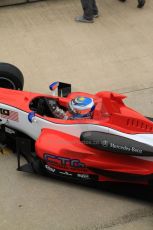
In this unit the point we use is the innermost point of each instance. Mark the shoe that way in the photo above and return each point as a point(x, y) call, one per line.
point(82, 19)
point(141, 3)
point(96, 16)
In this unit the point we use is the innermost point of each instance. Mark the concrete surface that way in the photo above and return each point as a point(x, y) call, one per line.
point(14, 2)
point(114, 53)
point(11, 2)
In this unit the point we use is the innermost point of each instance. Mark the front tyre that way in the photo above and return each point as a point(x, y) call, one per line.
point(11, 77)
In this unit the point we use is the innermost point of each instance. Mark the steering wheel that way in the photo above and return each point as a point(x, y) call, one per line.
point(41, 107)
point(51, 105)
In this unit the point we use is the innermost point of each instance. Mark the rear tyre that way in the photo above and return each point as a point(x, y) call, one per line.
point(11, 77)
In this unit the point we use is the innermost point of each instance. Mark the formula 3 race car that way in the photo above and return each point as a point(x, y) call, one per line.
point(114, 144)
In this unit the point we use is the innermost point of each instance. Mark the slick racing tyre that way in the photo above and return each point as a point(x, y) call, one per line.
point(11, 77)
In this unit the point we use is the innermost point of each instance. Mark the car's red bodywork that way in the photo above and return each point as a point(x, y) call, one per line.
point(65, 153)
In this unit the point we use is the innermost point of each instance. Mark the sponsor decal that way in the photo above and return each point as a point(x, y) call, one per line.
point(105, 143)
point(66, 173)
point(50, 169)
point(80, 176)
point(9, 115)
point(111, 145)
point(10, 131)
point(83, 176)
point(64, 163)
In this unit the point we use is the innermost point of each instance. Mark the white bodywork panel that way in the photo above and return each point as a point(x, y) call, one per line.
point(34, 129)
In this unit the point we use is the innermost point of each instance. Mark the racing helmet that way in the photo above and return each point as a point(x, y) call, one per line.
point(81, 107)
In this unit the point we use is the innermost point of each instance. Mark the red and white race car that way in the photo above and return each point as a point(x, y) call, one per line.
point(112, 143)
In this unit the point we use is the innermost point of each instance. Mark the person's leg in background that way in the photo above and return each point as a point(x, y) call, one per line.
point(95, 9)
point(141, 3)
point(90, 11)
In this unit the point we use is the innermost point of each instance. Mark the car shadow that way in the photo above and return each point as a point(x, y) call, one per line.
point(132, 191)
point(137, 192)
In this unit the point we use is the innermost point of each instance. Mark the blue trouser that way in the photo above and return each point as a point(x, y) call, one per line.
point(89, 8)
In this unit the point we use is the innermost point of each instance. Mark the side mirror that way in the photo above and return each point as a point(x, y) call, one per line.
point(60, 89)
point(31, 117)
point(54, 88)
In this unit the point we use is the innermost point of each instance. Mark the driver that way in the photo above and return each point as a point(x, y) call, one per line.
point(78, 108)
point(81, 108)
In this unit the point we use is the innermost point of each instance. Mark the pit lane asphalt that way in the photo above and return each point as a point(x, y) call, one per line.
point(115, 53)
